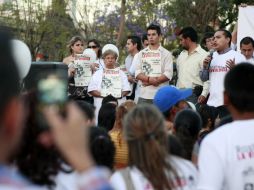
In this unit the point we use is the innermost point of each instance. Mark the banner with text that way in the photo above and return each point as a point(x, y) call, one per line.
point(245, 24)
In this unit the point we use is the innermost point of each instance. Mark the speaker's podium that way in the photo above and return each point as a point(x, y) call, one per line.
point(39, 70)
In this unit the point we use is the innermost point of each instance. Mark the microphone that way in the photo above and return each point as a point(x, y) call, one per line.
point(204, 73)
point(211, 51)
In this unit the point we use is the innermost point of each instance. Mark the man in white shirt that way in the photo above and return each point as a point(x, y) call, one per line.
point(133, 46)
point(226, 159)
point(189, 64)
point(217, 65)
point(247, 49)
point(154, 66)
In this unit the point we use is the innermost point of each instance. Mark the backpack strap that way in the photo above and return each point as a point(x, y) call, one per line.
point(127, 178)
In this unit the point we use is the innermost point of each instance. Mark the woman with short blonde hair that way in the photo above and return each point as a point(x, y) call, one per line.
point(75, 46)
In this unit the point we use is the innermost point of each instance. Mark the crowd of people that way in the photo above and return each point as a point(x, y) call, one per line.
point(125, 127)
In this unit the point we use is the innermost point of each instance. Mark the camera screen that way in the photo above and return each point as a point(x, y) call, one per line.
point(52, 90)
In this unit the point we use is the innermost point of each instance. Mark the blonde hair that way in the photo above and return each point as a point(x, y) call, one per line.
point(72, 41)
point(145, 133)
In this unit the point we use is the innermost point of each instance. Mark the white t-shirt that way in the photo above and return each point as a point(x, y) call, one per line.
point(128, 62)
point(132, 72)
point(95, 84)
point(101, 63)
point(217, 73)
point(66, 181)
point(133, 65)
point(94, 178)
point(185, 170)
point(226, 158)
point(251, 60)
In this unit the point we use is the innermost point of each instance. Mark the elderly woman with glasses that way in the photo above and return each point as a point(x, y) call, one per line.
point(109, 80)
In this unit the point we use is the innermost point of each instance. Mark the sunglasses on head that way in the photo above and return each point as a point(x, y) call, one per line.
point(93, 47)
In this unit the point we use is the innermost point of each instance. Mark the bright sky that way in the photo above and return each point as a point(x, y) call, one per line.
point(77, 6)
point(93, 6)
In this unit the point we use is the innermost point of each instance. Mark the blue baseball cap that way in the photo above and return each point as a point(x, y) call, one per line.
point(168, 96)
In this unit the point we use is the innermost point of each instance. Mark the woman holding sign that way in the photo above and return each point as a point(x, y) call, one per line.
point(80, 69)
point(110, 80)
point(75, 46)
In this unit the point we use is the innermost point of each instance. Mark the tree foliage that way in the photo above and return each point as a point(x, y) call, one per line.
point(194, 13)
point(227, 11)
point(206, 14)
point(43, 29)
point(47, 29)
point(22, 19)
point(59, 28)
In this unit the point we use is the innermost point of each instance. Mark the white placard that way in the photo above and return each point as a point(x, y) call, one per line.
point(111, 83)
point(151, 63)
point(245, 24)
point(83, 72)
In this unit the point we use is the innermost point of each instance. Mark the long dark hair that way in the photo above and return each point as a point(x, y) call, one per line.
point(98, 45)
point(107, 116)
point(102, 147)
point(208, 115)
point(187, 125)
point(145, 132)
point(38, 163)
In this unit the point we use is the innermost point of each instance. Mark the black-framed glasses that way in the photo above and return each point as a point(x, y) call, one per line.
point(93, 47)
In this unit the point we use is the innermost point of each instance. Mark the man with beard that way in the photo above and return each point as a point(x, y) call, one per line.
point(189, 64)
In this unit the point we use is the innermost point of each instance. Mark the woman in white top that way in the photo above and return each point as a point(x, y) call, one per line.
point(150, 166)
point(76, 47)
point(118, 84)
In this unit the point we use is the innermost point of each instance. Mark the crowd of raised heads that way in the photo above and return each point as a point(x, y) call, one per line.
point(125, 126)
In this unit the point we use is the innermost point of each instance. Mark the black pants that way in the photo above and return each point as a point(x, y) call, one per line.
point(145, 101)
point(132, 96)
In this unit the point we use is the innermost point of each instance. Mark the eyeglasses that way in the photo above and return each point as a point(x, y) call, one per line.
point(93, 47)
